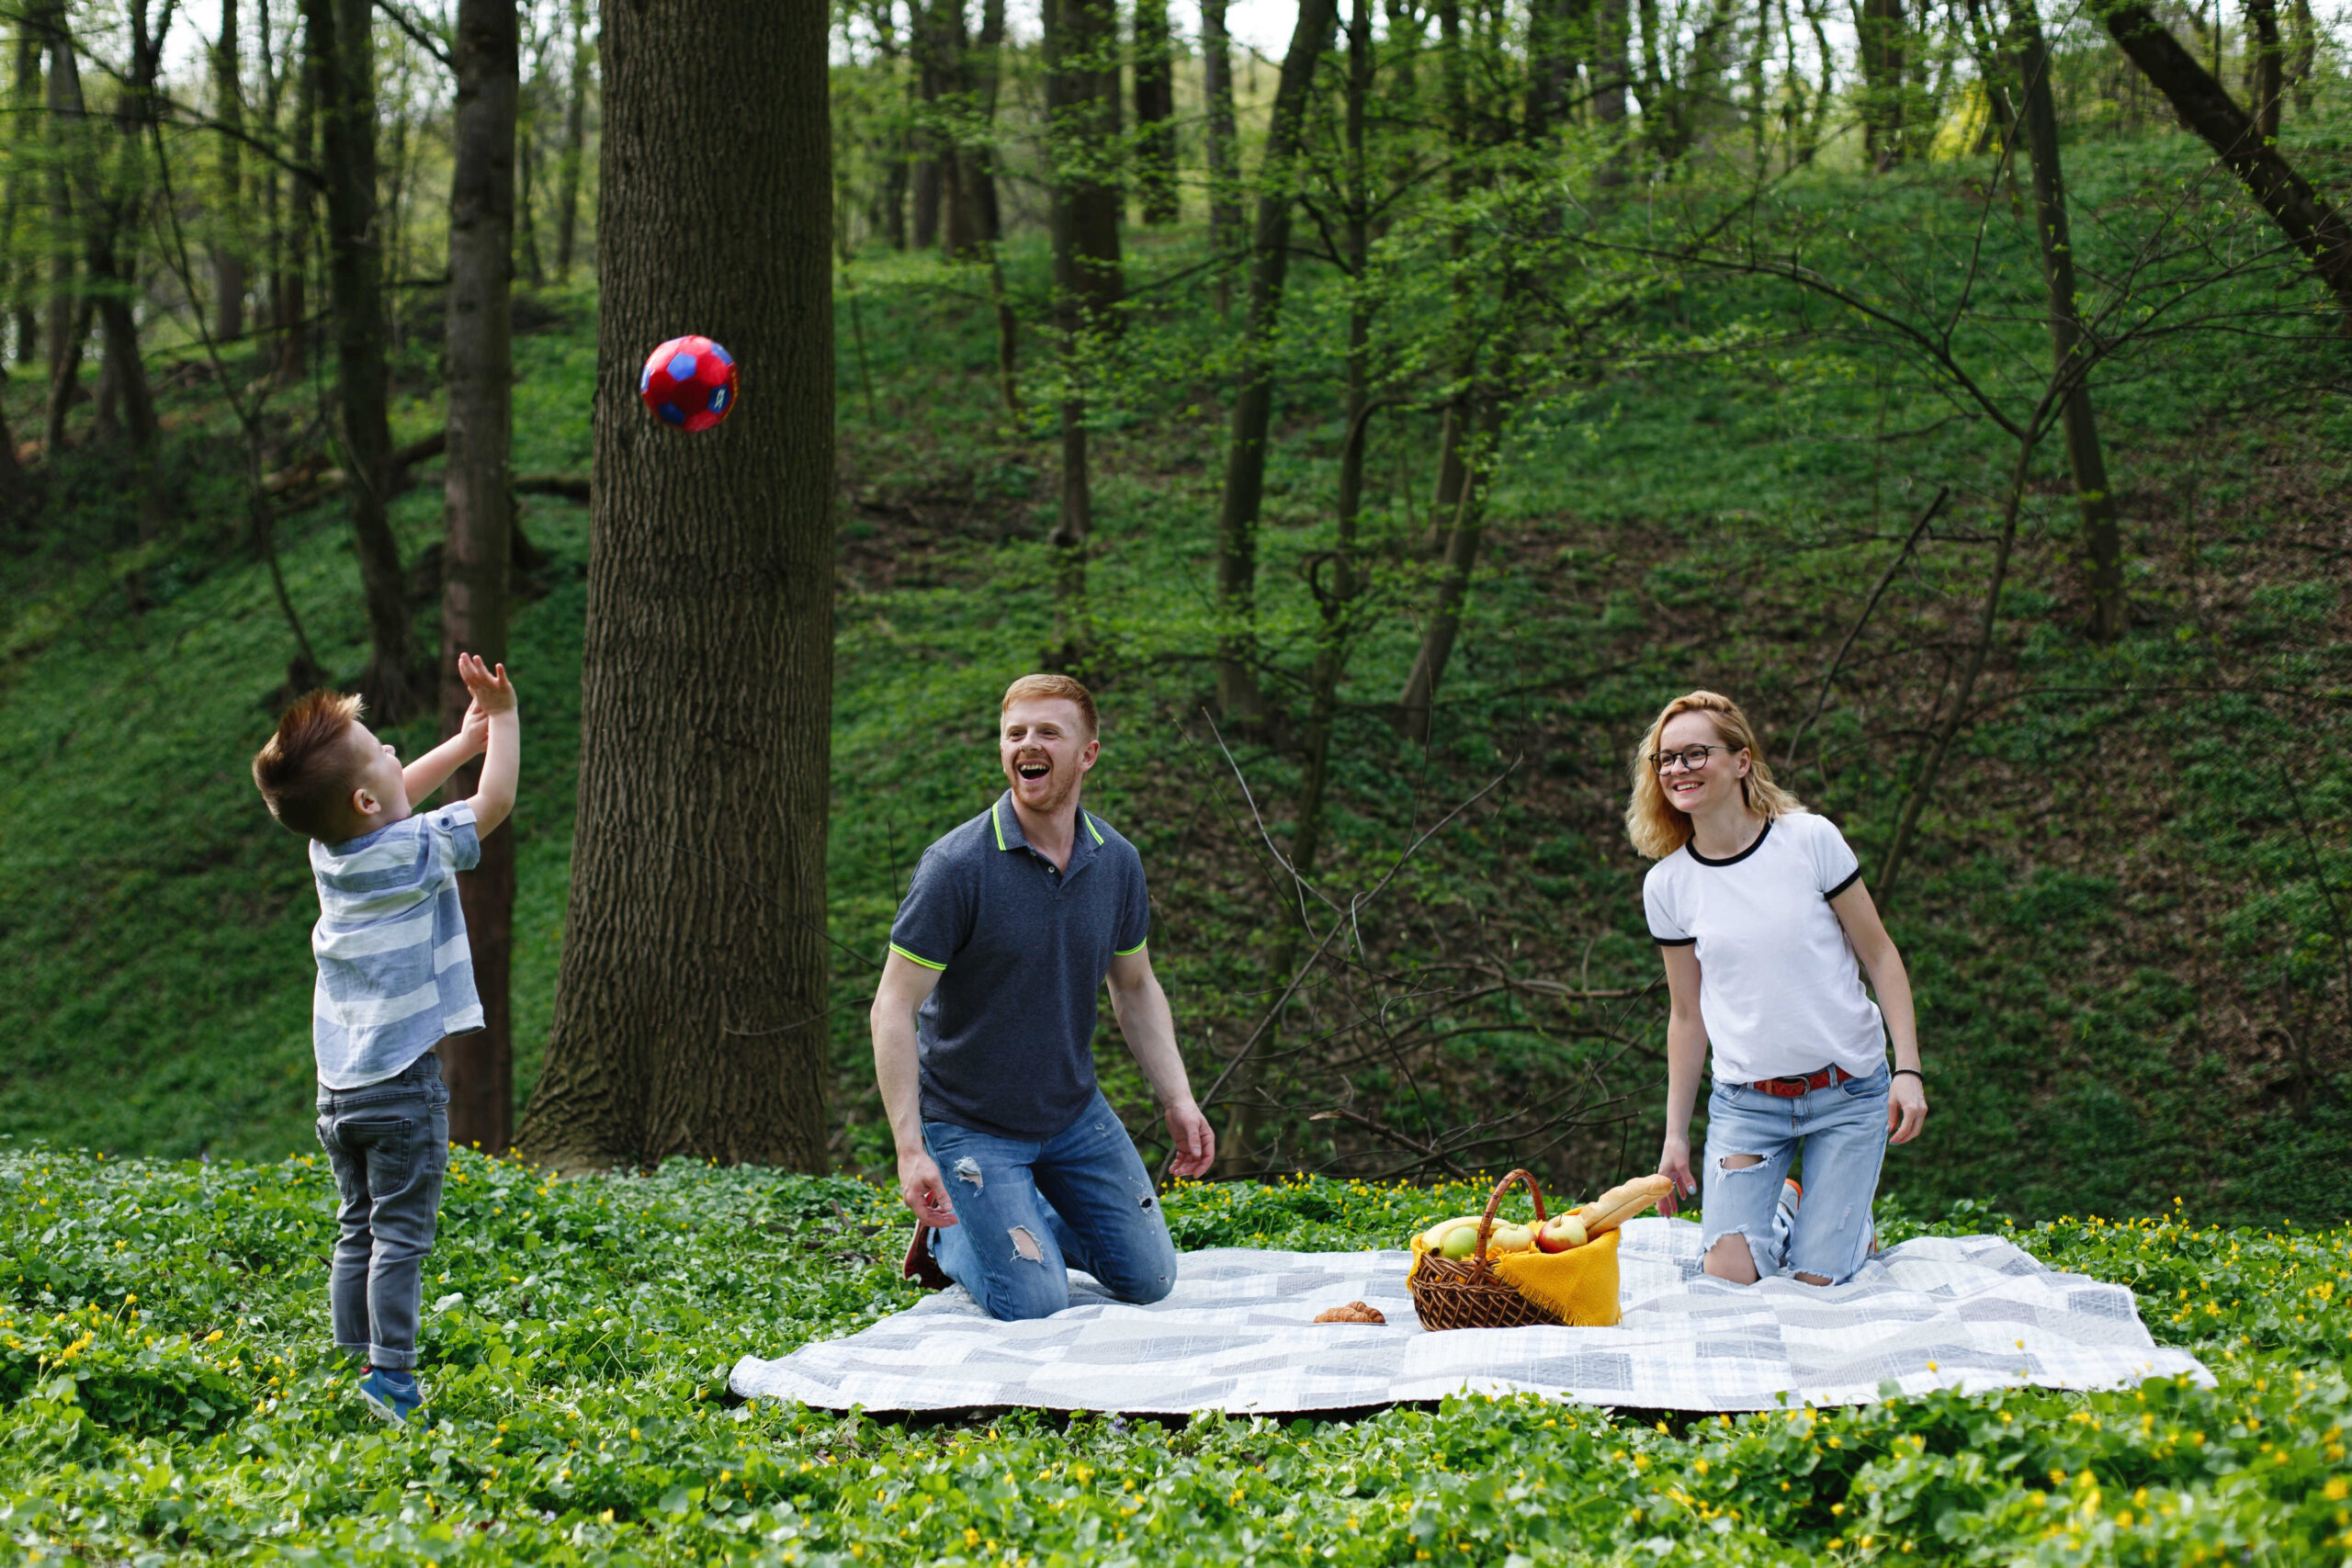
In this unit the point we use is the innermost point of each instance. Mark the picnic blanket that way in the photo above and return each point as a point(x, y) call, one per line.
point(1971, 1313)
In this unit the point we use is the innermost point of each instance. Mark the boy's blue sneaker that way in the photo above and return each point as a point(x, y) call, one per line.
point(393, 1396)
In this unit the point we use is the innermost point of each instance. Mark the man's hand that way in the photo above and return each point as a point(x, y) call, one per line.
point(1195, 1140)
point(1673, 1164)
point(1907, 1110)
point(925, 1190)
point(493, 693)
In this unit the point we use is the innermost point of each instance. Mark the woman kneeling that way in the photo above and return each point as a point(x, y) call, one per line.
point(1758, 909)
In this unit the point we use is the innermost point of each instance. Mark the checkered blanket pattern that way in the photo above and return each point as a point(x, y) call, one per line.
point(1970, 1313)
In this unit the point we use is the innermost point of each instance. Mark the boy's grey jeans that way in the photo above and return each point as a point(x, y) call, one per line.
point(389, 1145)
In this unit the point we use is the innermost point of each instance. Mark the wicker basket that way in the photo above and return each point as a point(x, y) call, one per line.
point(1467, 1292)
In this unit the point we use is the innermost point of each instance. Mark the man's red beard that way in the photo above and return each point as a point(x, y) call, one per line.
point(1061, 787)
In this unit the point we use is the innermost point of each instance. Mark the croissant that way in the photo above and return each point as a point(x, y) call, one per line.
point(1354, 1312)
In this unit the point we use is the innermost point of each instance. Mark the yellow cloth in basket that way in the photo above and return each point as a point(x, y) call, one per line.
point(1579, 1284)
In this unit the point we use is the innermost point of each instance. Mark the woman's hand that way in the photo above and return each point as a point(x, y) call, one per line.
point(1906, 1109)
point(1673, 1164)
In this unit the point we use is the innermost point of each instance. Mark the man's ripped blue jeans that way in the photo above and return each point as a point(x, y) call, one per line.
point(1024, 1210)
point(1842, 1132)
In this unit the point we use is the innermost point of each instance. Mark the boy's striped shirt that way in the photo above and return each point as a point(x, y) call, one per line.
point(395, 972)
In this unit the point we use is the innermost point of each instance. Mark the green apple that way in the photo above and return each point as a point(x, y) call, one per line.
point(1460, 1242)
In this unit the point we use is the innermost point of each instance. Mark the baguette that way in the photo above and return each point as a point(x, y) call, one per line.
point(1622, 1202)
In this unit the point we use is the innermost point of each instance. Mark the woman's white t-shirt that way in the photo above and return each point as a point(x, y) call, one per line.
point(1780, 987)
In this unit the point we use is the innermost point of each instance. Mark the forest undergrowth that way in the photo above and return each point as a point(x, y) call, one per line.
point(166, 1397)
point(2125, 911)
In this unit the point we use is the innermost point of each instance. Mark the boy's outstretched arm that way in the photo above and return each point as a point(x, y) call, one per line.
point(431, 770)
point(502, 757)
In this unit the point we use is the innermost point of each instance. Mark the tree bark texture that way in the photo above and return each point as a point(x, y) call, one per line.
point(1155, 86)
point(1222, 139)
point(575, 143)
point(228, 251)
point(2317, 229)
point(479, 520)
point(67, 325)
point(2266, 65)
point(343, 63)
point(2102, 540)
point(691, 1003)
point(1253, 403)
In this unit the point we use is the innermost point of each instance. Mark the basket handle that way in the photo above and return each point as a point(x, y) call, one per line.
point(1487, 1223)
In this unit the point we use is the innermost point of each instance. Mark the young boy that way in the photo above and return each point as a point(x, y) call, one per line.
point(395, 975)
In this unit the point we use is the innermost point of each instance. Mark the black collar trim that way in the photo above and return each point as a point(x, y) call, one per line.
point(1693, 848)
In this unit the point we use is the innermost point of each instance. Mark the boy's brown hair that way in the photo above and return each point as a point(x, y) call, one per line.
point(304, 771)
point(1049, 688)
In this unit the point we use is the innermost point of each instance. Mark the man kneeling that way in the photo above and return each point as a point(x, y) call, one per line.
point(983, 1031)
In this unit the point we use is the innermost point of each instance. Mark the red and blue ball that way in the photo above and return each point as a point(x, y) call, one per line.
point(689, 382)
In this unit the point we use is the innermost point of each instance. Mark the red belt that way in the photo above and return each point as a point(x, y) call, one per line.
point(1797, 1087)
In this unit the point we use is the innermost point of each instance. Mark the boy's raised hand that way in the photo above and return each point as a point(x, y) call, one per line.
point(493, 693)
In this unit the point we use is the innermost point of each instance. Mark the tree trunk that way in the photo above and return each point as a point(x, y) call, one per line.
point(24, 275)
point(342, 62)
point(228, 252)
point(2265, 65)
point(1253, 403)
point(1222, 137)
point(526, 184)
point(691, 1011)
point(575, 142)
point(2302, 49)
point(1082, 103)
point(1611, 71)
point(1154, 85)
point(478, 514)
point(1450, 427)
point(1882, 42)
point(68, 324)
point(1418, 702)
point(2101, 538)
point(2318, 229)
point(292, 295)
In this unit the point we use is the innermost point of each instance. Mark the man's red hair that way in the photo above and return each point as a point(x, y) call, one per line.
point(1052, 688)
point(304, 771)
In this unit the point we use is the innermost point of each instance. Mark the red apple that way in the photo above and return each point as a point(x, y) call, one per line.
point(1560, 1232)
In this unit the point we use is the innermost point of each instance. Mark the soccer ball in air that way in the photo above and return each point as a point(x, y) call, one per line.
point(689, 382)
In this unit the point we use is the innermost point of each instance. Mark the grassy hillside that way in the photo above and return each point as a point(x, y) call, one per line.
point(164, 1398)
point(2126, 915)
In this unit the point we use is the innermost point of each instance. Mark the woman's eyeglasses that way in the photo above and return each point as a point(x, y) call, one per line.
point(1692, 758)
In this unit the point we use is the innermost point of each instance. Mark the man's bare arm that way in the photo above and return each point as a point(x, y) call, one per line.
point(904, 987)
point(1141, 1008)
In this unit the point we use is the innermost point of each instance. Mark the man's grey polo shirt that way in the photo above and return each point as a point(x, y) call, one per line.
point(1006, 1040)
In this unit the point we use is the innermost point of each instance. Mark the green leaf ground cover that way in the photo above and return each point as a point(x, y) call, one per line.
point(166, 1397)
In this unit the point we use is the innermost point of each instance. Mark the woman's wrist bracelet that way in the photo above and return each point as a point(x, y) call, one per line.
point(1912, 1071)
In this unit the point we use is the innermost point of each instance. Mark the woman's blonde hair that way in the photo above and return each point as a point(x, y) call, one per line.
point(1656, 829)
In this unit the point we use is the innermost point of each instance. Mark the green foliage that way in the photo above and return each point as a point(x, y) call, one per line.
point(167, 1395)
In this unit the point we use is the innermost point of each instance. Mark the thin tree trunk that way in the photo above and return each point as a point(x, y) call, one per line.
point(478, 515)
point(2317, 229)
point(976, 189)
point(1238, 1150)
point(293, 296)
point(1419, 699)
point(1154, 88)
point(1883, 42)
point(1451, 428)
point(1611, 71)
point(692, 1008)
point(2302, 51)
point(575, 142)
point(24, 274)
point(228, 253)
point(1224, 146)
point(68, 323)
point(1253, 403)
point(1081, 99)
point(935, 28)
point(2265, 65)
point(342, 59)
point(526, 178)
point(2101, 537)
